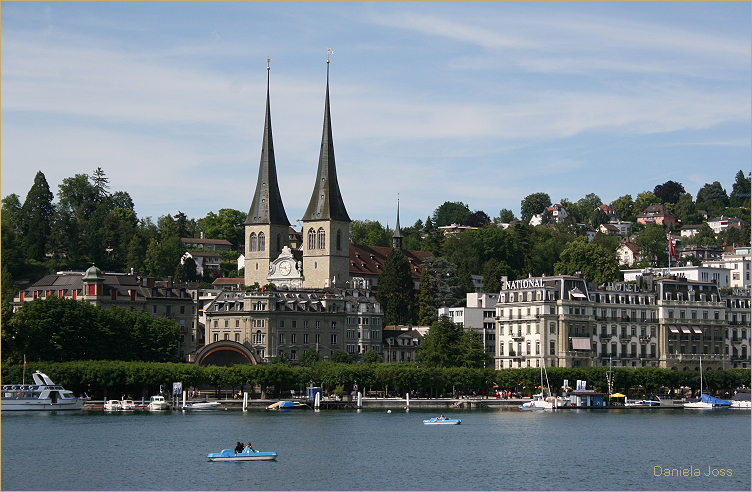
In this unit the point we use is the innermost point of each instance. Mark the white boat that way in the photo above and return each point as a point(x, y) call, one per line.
point(741, 400)
point(706, 401)
point(42, 395)
point(112, 406)
point(246, 455)
point(157, 403)
point(201, 405)
point(127, 405)
point(540, 401)
point(442, 421)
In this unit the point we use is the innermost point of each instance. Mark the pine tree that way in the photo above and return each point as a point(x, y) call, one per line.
point(396, 290)
point(37, 215)
point(426, 314)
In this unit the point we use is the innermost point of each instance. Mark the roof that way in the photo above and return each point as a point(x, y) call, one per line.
point(656, 210)
point(326, 200)
point(194, 240)
point(369, 260)
point(266, 207)
point(228, 281)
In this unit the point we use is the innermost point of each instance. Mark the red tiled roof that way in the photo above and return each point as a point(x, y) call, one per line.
point(369, 260)
point(228, 281)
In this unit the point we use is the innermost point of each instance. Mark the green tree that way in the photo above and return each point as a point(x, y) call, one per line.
point(532, 204)
point(370, 233)
point(445, 289)
point(505, 216)
point(740, 191)
point(309, 358)
point(372, 356)
point(470, 351)
point(598, 264)
point(426, 315)
point(478, 219)
point(713, 198)
point(653, 244)
point(439, 347)
point(226, 224)
point(37, 213)
point(451, 213)
point(396, 291)
point(624, 208)
point(685, 210)
point(644, 200)
point(340, 357)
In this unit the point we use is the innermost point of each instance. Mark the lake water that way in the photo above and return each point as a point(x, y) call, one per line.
point(493, 449)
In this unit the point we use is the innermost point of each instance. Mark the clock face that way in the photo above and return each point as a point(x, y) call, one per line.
point(285, 268)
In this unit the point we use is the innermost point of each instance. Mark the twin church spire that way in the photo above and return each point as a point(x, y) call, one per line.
point(326, 222)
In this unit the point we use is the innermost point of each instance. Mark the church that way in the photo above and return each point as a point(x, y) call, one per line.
point(322, 296)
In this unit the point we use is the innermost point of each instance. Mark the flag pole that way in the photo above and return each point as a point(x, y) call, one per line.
point(23, 380)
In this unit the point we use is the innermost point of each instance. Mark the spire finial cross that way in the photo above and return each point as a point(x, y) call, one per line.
point(268, 59)
point(328, 52)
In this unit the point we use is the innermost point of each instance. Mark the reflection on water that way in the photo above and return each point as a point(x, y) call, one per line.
point(375, 450)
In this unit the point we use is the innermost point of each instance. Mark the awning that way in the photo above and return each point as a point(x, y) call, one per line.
point(580, 295)
point(685, 329)
point(581, 344)
point(737, 346)
point(618, 395)
point(697, 329)
point(673, 329)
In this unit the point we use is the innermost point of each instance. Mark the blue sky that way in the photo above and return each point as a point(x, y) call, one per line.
point(483, 103)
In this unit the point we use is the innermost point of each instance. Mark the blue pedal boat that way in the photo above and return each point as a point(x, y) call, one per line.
point(442, 421)
point(246, 455)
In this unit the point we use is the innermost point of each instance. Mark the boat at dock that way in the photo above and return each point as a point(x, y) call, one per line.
point(201, 405)
point(157, 403)
point(42, 395)
point(246, 455)
point(112, 406)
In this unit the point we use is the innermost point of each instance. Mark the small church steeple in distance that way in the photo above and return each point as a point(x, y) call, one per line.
point(397, 237)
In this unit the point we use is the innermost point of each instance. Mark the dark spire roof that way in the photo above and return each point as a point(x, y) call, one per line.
point(397, 237)
point(266, 207)
point(326, 201)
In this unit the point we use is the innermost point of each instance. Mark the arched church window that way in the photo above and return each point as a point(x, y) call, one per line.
point(311, 239)
point(261, 241)
point(339, 240)
point(322, 238)
point(252, 243)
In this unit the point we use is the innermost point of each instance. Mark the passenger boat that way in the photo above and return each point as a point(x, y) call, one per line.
point(112, 406)
point(42, 395)
point(157, 403)
point(741, 400)
point(442, 421)
point(201, 405)
point(246, 455)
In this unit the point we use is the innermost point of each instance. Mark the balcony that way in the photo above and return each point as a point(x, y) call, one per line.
point(624, 336)
point(696, 357)
point(644, 339)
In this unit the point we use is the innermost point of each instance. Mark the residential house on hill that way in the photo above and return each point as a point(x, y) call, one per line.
point(658, 214)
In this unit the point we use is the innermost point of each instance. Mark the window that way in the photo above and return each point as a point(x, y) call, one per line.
point(318, 325)
point(321, 238)
point(281, 338)
point(282, 323)
point(261, 241)
point(258, 338)
point(293, 354)
point(153, 309)
point(552, 348)
point(293, 338)
point(305, 338)
point(216, 337)
point(252, 242)
point(334, 325)
point(318, 338)
point(237, 337)
point(227, 336)
point(501, 348)
point(339, 240)
point(182, 309)
point(333, 338)
point(237, 323)
point(311, 239)
point(227, 323)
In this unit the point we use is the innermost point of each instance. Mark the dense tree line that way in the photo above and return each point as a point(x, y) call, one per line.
point(136, 379)
point(64, 330)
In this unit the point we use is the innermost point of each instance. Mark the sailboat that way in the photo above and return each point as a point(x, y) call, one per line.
point(540, 402)
point(706, 401)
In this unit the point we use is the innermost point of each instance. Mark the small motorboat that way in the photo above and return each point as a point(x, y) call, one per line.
point(157, 403)
point(246, 455)
point(201, 405)
point(112, 406)
point(282, 405)
point(442, 421)
point(127, 405)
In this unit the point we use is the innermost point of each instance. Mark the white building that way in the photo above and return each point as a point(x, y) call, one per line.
point(738, 263)
point(721, 276)
point(480, 314)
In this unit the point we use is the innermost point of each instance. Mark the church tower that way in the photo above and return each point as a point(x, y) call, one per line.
point(326, 225)
point(266, 226)
point(397, 236)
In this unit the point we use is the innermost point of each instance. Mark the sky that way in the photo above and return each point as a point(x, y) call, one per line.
point(481, 103)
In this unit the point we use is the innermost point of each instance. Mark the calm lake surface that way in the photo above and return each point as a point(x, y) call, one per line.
point(492, 449)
